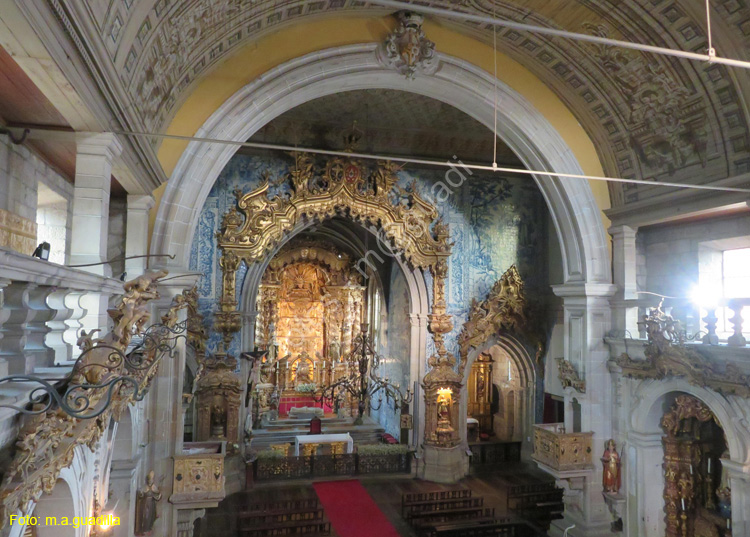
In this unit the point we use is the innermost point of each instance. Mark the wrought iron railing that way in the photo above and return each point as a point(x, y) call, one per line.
point(347, 464)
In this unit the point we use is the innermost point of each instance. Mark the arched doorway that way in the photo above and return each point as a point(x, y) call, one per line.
point(646, 467)
point(308, 307)
point(514, 396)
point(58, 504)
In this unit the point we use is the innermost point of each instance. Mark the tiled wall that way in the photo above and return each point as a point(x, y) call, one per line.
point(494, 221)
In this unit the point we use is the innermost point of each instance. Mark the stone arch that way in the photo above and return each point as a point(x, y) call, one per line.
point(523, 360)
point(574, 211)
point(644, 456)
point(646, 415)
point(343, 233)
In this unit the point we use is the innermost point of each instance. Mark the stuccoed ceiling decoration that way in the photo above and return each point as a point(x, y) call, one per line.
point(160, 48)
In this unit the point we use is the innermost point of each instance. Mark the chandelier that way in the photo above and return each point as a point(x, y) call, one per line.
point(362, 382)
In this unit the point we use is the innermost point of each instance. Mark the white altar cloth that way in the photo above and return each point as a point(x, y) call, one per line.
point(323, 439)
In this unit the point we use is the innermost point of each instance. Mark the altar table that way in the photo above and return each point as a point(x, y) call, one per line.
point(324, 439)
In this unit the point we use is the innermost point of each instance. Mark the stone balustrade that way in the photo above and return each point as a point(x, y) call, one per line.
point(42, 309)
point(561, 451)
point(198, 475)
point(706, 329)
point(44, 305)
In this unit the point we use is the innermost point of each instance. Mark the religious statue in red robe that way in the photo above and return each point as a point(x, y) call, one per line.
point(611, 479)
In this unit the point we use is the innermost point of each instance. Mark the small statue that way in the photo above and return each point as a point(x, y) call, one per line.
point(334, 351)
point(145, 506)
point(443, 414)
point(611, 479)
point(218, 422)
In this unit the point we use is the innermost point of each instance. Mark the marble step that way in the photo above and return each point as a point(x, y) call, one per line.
point(369, 433)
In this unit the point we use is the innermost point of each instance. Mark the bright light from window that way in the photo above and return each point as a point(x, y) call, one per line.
point(706, 296)
point(732, 282)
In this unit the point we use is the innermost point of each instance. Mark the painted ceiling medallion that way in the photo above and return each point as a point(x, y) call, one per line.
point(407, 48)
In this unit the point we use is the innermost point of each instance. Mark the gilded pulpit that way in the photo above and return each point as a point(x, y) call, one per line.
point(480, 391)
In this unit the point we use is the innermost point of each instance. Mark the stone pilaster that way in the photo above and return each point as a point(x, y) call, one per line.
point(624, 267)
point(136, 236)
point(587, 320)
point(94, 157)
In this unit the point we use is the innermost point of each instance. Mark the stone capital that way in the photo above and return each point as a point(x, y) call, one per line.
point(584, 290)
point(623, 231)
point(140, 202)
point(98, 144)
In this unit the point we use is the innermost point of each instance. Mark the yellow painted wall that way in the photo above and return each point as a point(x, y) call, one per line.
point(300, 39)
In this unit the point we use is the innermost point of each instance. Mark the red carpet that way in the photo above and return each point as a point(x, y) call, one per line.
point(352, 512)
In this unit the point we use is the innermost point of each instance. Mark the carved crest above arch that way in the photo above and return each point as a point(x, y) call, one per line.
point(504, 310)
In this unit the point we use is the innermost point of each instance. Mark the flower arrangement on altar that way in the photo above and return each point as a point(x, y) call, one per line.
point(310, 387)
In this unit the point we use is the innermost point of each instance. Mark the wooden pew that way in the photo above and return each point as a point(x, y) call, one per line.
point(282, 518)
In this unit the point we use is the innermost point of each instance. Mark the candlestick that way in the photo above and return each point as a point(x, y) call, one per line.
point(683, 503)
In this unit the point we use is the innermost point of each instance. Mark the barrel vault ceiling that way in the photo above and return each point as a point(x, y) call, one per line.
point(651, 117)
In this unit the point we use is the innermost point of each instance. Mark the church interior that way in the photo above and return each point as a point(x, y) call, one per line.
point(374, 268)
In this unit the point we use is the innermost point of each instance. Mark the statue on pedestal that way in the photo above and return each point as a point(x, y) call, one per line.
point(611, 479)
point(145, 506)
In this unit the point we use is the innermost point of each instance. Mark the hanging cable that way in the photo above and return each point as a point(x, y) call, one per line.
point(494, 58)
point(468, 17)
point(711, 49)
point(429, 162)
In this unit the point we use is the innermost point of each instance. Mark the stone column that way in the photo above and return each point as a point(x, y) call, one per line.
point(624, 263)
point(739, 479)
point(163, 409)
point(587, 320)
point(91, 217)
point(643, 485)
point(4, 316)
point(95, 154)
point(136, 235)
point(418, 362)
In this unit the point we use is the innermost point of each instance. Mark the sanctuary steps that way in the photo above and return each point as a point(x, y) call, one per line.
point(283, 431)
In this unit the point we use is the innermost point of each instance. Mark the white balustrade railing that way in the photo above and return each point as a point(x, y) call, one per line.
point(44, 306)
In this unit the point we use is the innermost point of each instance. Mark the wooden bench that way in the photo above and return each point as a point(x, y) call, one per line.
point(279, 517)
point(282, 518)
point(540, 502)
point(441, 505)
point(483, 528)
point(288, 528)
point(420, 498)
point(282, 505)
point(426, 520)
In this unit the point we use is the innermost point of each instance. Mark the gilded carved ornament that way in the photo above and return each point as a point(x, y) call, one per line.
point(344, 187)
point(505, 309)
point(668, 355)
point(47, 441)
point(569, 376)
point(685, 407)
